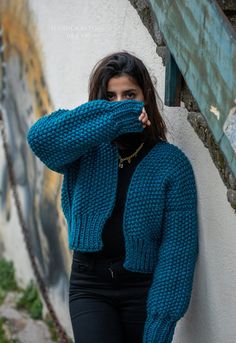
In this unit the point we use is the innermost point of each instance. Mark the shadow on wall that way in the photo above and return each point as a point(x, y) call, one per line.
point(24, 98)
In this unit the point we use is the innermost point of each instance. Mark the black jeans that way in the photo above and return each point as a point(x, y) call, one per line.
point(107, 303)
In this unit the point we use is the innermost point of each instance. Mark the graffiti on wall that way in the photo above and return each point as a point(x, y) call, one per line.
point(229, 127)
point(25, 98)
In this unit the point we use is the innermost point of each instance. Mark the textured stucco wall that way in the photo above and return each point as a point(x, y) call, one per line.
point(74, 36)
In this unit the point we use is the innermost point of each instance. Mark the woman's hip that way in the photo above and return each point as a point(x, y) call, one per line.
point(91, 274)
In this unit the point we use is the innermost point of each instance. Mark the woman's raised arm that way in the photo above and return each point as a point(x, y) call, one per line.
point(61, 137)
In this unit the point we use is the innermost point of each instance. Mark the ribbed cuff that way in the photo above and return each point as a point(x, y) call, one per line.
point(85, 232)
point(125, 116)
point(159, 330)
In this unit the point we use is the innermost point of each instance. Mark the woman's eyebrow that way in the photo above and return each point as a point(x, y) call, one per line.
point(126, 91)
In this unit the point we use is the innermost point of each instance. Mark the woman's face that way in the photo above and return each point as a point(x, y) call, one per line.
point(123, 88)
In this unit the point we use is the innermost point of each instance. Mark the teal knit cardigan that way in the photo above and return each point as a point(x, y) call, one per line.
point(160, 221)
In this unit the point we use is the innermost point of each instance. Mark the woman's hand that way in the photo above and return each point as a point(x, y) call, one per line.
point(144, 118)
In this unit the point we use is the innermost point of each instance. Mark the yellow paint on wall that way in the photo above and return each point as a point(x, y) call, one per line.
point(21, 40)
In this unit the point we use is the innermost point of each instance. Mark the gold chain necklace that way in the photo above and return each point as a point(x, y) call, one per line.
point(128, 158)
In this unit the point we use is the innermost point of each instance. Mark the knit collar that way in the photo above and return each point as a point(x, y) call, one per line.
point(128, 142)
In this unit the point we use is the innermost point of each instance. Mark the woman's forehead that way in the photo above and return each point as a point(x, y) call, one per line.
point(122, 81)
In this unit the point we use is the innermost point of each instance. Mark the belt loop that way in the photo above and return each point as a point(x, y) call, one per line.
point(111, 270)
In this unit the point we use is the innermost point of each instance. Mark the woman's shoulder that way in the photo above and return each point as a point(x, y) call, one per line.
point(172, 155)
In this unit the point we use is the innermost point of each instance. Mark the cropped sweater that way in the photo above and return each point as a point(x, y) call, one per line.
point(112, 233)
point(160, 220)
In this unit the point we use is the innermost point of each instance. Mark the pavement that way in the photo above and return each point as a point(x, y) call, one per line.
point(19, 327)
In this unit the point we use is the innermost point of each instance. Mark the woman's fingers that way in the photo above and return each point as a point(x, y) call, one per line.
point(144, 118)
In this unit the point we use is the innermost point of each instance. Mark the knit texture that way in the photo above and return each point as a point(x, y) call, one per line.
point(160, 221)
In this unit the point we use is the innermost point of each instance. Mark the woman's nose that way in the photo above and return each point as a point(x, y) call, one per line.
point(119, 98)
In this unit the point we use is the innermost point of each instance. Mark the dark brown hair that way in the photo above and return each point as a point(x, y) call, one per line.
point(123, 63)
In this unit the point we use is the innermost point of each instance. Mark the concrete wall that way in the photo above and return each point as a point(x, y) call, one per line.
point(72, 37)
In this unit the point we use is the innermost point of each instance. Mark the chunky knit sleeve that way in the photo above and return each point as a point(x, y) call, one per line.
point(61, 137)
point(170, 291)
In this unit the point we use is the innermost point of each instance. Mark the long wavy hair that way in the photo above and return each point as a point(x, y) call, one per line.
point(123, 63)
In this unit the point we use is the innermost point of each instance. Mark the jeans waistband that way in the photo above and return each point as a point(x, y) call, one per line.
point(98, 260)
point(102, 263)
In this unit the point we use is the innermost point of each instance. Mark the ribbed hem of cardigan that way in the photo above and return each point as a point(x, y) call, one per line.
point(159, 330)
point(141, 255)
point(85, 232)
point(125, 115)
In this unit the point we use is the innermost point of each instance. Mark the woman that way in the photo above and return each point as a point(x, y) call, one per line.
point(130, 201)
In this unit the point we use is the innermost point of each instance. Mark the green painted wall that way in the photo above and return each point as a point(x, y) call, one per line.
point(203, 43)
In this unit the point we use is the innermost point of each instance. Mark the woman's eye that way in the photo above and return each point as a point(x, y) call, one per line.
point(130, 95)
point(109, 96)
